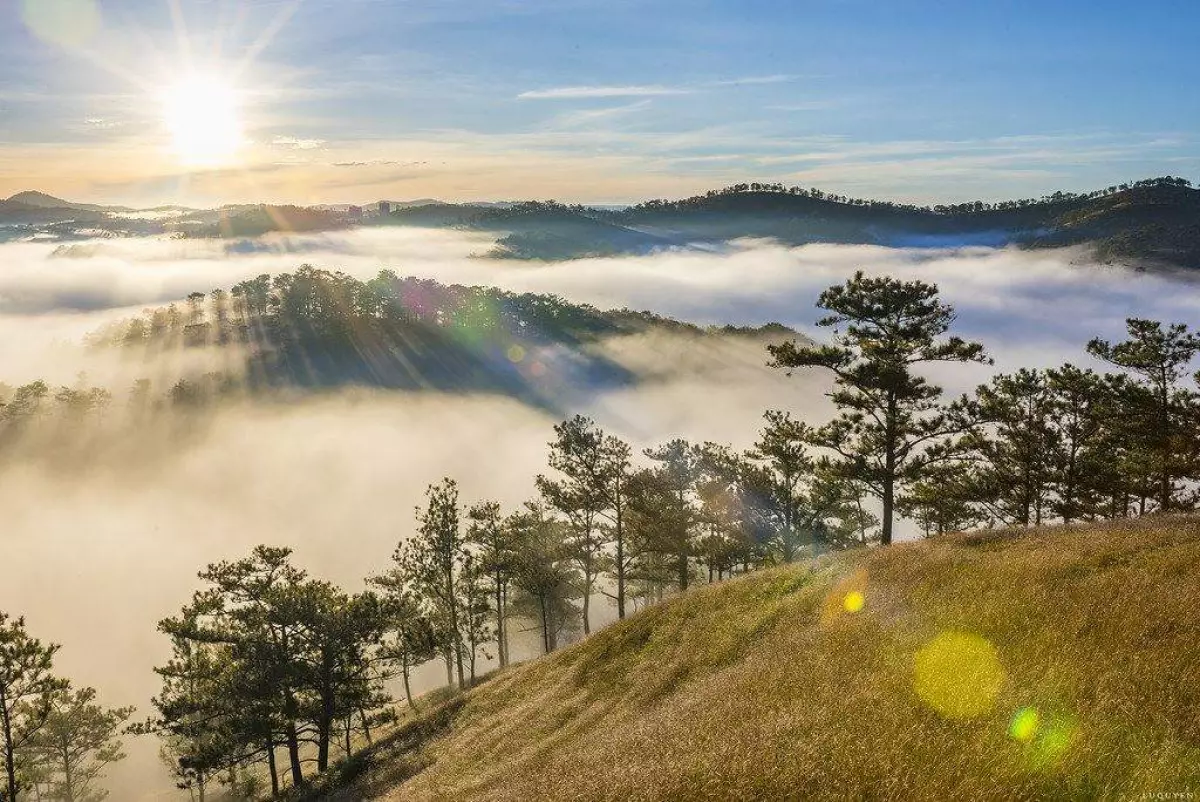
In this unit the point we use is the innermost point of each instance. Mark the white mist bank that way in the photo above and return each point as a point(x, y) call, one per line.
point(1030, 307)
point(95, 558)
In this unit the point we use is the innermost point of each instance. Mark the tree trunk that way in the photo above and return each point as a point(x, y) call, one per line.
point(68, 775)
point(889, 471)
point(620, 533)
point(10, 763)
point(458, 657)
point(293, 748)
point(889, 503)
point(324, 726)
point(474, 653)
point(1165, 466)
point(366, 725)
point(405, 670)
point(324, 732)
point(504, 608)
point(500, 651)
point(681, 567)
point(587, 598)
point(272, 769)
point(452, 600)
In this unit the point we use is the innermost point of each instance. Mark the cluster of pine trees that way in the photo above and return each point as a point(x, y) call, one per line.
point(316, 327)
point(55, 740)
point(275, 672)
point(969, 207)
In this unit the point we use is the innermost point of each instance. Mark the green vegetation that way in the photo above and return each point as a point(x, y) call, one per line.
point(1047, 664)
point(316, 328)
point(1029, 660)
point(1145, 223)
point(55, 741)
point(891, 417)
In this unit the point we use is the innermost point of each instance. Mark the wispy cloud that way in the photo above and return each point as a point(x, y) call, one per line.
point(757, 80)
point(593, 116)
point(297, 144)
point(577, 92)
point(649, 90)
point(379, 163)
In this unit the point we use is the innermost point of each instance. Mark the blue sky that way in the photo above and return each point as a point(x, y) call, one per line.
point(602, 100)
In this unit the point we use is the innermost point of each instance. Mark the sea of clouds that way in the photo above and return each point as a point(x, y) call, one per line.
point(95, 558)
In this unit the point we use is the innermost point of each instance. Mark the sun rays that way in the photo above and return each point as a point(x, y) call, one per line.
point(203, 116)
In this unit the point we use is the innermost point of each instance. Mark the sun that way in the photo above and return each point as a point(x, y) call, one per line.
point(202, 114)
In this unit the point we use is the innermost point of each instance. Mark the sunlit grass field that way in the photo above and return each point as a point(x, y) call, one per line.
point(1057, 664)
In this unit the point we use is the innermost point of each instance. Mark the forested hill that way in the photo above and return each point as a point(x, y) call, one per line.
point(318, 329)
point(1152, 221)
point(998, 665)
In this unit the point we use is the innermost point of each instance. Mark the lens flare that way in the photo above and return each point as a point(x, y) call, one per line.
point(847, 597)
point(1045, 736)
point(1024, 724)
point(854, 602)
point(958, 674)
point(1054, 739)
point(67, 23)
point(516, 354)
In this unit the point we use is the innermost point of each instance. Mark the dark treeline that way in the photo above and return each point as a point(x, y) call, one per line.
point(276, 674)
point(548, 209)
point(969, 207)
point(315, 328)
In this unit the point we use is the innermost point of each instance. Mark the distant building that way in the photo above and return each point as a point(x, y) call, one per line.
point(385, 208)
point(355, 213)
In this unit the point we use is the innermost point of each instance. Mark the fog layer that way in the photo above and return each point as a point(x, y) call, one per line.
point(96, 555)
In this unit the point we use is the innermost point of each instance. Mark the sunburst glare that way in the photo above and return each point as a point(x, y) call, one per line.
point(203, 115)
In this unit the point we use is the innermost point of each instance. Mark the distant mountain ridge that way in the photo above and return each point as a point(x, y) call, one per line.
point(1154, 222)
point(40, 200)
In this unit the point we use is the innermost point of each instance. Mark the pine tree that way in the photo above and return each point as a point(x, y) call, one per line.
point(545, 582)
point(433, 561)
point(28, 689)
point(884, 330)
point(79, 739)
point(1160, 356)
point(494, 542)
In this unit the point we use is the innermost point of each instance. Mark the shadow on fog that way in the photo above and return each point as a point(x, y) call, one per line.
point(318, 330)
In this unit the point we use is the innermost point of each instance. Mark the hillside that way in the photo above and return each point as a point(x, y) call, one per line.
point(1156, 221)
point(1062, 661)
point(314, 329)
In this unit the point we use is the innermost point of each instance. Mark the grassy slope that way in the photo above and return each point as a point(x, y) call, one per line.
point(766, 688)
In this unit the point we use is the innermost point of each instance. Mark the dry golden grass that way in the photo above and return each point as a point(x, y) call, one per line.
point(1066, 664)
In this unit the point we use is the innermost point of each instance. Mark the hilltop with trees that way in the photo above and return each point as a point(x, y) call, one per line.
point(317, 329)
point(1145, 223)
point(276, 675)
point(1148, 222)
